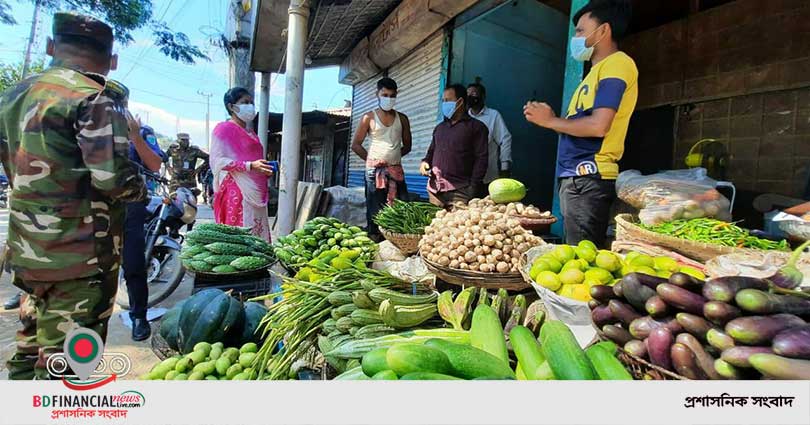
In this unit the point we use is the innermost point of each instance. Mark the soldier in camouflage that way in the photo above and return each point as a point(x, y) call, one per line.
point(183, 157)
point(64, 144)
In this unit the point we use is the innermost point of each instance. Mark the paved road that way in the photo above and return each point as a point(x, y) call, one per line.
point(118, 339)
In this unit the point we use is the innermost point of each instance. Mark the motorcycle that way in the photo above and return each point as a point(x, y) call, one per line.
point(167, 213)
point(3, 191)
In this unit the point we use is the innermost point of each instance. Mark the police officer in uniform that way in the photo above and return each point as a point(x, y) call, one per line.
point(182, 165)
point(64, 144)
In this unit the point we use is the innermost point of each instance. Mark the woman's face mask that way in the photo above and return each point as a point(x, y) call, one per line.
point(245, 111)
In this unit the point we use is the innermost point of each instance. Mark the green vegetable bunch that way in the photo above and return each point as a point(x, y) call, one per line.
point(408, 218)
point(716, 232)
point(321, 235)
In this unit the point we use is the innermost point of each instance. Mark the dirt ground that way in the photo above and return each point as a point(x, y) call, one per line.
point(119, 336)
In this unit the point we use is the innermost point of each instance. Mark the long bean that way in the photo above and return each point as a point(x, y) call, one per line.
point(716, 232)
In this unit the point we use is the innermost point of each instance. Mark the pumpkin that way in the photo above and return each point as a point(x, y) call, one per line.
point(254, 313)
point(169, 325)
point(208, 316)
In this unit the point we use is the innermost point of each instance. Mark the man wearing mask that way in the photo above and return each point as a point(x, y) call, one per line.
point(500, 140)
point(64, 142)
point(182, 165)
point(390, 134)
point(457, 159)
point(594, 128)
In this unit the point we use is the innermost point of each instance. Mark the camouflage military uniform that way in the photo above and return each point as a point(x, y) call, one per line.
point(64, 145)
point(183, 165)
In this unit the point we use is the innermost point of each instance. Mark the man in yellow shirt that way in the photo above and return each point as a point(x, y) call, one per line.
point(595, 125)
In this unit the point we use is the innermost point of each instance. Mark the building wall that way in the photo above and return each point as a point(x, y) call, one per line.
point(740, 73)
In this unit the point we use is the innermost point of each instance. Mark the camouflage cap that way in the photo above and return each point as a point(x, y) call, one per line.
point(183, 136)
point(84, 26)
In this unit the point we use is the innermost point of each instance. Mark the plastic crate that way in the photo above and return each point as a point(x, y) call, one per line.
point(242, 288)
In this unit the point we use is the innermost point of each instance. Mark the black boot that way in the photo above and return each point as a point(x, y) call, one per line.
point(141, 329)
point(13, 302)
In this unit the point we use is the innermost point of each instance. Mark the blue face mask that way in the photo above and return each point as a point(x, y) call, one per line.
point(448, 109)
point(580, 50)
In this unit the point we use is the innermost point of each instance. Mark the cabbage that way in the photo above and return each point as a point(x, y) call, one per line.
point(504, 191)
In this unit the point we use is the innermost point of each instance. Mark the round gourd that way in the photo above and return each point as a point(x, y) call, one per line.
point(169, 325)
point(254, 313)
point(504, 191)
point(208, 316)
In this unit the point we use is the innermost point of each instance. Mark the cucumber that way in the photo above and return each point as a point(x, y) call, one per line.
point(385, 375)
point(486, 333)
point(374, 361)
point(527, 350)
point(607, 367)
point(564, 356)
point(470, 363)
point(428, 376)
point(407, 358)
point(355, 374)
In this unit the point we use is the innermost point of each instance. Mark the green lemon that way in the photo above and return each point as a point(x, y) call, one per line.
point(553, 264)
point(600, 275)
point(691, 271)
point(564, 253)
point(587, 244)
point(585, 253)
point(645, 270)
point(631, 255)
point(540, 265)
point(573, 264)
point(572, 277)
point(549, 280)
point(666, 264)
point(608, 261)
point(664, 273)
point(643, 261)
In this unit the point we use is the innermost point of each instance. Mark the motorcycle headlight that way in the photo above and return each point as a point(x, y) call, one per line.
point(189, 214)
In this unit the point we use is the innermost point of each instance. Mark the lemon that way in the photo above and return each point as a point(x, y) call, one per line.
point(664, 273)
point(608, 261)
point(631, 255)
point(553, 264)
point(567, 291)
point(540, 265)
point(587, 244)
point(564, 253)
point(643, 261)
point(572, 276)
point(666, 264)
point(691, 271)
point(645, 270)
point(600, 275)
point(585, 253)
point(549, 280)
point(573, 264)
point(581, 293)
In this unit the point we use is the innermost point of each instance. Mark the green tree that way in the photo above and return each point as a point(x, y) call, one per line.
point(10, 74)
point(125, 16)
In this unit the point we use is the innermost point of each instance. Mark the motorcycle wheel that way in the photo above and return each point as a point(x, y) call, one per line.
point(164, 273)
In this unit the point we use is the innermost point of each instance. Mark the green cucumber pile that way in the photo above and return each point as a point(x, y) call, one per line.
point(210, 362)
point(407, 218)
point(319, 235)
point(218, 248)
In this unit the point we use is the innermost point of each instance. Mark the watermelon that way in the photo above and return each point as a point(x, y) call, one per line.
point(254, 313)
point(169, 325)
point(208, 316)
point(504, 191)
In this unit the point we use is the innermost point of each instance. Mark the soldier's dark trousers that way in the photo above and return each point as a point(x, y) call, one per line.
point(134, 260)
point(49, 311)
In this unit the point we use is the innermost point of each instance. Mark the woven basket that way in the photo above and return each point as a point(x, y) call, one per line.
point(641, 369)
point(539, 225)
point(508, 281)
point(627, 230)
point(408, 244)
point(796, 229)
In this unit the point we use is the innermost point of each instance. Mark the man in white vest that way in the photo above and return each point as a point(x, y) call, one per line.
point(500, 140)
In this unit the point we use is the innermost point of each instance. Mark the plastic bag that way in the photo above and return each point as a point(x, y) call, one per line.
point(672, 195)
point(348, 205)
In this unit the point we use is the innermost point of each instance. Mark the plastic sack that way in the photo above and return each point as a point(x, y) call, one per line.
point(672, 195)
point(348, 205)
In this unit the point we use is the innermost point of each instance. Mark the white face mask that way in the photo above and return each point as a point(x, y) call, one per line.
point(246, 112)
point(387, 103)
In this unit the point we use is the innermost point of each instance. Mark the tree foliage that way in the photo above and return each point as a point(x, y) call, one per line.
point(10, 74)
point(125, 17)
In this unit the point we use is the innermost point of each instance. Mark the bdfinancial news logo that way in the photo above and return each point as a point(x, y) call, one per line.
point(82, 367)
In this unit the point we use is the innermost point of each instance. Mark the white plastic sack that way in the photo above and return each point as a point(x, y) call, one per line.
point(348, 205)
point(575, 314)
point(389, 252)
point(412, 269)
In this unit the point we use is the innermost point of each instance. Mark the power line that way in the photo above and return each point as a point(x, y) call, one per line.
point(147, 48)
point(167, 97)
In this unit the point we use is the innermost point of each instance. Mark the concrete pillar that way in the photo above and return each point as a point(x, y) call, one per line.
point(264, 109)
point(291, 127)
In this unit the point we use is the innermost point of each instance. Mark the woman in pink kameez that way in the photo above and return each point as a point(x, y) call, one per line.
point(240, 171)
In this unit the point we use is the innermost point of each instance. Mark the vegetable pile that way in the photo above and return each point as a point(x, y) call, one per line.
point(210, 362)
point(512, 209)
point(716, 232)
point(218, 248)
point(571, 271)
point(479, 238)
point(724, 328)
point(319, 235)
point(407, 218)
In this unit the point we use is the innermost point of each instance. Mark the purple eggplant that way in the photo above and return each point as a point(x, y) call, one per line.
point(789, 277)
point(719, 339)
point(693, 324)
point(704, 360)
point(720, 313)
point(617, 289)
point(778, 367)
point(681, 299)
point(760, 330)
point(685, 281)
point(616, 334)
point(793, 342)
point(760, 302)
point(602, 293)
point(725, 288)
point(684, 362)
point(658, 347)
point(738, 356)
point(636, 348)
point(728, 371)
point(643, 326)
point(635, 292)
point(649, 281)
point(622, 311)
point(602, 316)
point(656, 307)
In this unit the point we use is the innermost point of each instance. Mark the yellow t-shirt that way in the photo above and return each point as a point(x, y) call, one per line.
point(612, 83)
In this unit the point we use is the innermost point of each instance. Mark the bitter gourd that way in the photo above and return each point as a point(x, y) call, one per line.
point(224, 268)
point(249, 263)
point(225, 248)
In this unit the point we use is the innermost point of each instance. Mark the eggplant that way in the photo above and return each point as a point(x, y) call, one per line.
point(728, 371)
point(616, 334)
point(656, 307)
point(704, 360)
point(602, 293)
point(684, 362)
point(602, 316)
point(636, 348)
point(719, 339)
point(725, 288)
point(617, 289)
point(658, 347)
point(635, 292)
point(738, 356)
point(720, 313)
point(760, 330)
point(793, 342)
point(643, 326)
point(681, 299)
point(693, 324)
point(649, 281)
point(592, 304)
point(686, 281)
point(778, 367)
point(622, 311)
point(760, 302)
point(789, 277)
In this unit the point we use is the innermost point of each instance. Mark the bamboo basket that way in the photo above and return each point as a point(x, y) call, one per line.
point(408, 244)
point(641, 369)
point(627, 230)
point(539, 225)
point(495, 281)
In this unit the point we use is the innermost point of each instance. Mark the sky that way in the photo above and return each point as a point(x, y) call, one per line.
point(163, 92)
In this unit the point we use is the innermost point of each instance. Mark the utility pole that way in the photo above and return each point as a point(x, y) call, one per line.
point(238, 32)
point(31, 38)
point(207, 97)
